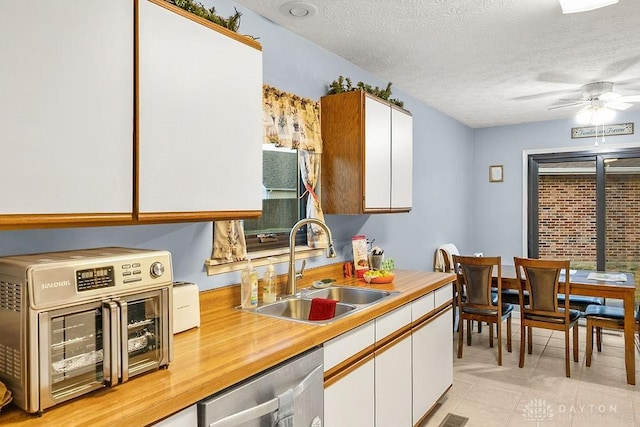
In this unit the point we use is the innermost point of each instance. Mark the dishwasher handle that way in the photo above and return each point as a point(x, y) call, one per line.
point(262, 409)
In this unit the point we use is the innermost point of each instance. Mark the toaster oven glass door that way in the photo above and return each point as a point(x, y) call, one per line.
point(146, 330)
point(72, 353)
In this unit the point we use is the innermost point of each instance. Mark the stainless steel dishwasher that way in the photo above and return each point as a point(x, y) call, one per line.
point(290, 394)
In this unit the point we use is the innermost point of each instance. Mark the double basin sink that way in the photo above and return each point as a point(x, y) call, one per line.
point(350, 300)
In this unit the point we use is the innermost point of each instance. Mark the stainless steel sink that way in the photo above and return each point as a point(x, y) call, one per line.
point(298, 309)
point(348, 295)
point(350, 300)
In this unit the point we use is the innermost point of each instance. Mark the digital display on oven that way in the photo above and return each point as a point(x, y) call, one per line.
point(95, 278)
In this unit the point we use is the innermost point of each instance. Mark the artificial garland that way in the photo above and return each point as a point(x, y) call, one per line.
point(232, 22)
point(343, 84)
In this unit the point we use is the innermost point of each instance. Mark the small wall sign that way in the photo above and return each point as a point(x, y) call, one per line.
point(495, 173)
point(606, 130)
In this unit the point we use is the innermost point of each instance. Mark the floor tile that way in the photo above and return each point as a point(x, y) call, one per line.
point(540, 393)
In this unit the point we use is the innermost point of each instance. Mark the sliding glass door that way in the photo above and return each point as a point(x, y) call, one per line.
point(586, 207)
point(622, 213)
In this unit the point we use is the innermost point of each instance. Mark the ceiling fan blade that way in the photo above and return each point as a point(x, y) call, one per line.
point(573, 99)
point(618, 105)
point(552, 77)
point(618, 67)
point(629, 82)
point(544, 95)
point(610, 97)
point(630, 98)
point(555, 107)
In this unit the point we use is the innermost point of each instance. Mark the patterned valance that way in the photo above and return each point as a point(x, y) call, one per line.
point(290, 121)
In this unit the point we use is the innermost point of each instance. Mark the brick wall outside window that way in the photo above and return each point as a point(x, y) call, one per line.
point(567, 220)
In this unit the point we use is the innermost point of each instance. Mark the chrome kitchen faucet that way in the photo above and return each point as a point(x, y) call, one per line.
point(331, 253)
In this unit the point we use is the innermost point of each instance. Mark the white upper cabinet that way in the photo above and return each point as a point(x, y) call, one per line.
point(367, 159)
point(401, 159)
point(377, 154)
point(66, 109)
point(199, 117)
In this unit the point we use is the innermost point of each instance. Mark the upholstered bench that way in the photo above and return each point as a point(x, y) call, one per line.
point(576, 302)
point(580, 302)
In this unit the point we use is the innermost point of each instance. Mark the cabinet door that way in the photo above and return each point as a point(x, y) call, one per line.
point(393, 390)
point(432, 362)
point(66, 108)
point(349, 401)
point(401, 159)
point(377, 169)
point(200, 103)
point(186, 418)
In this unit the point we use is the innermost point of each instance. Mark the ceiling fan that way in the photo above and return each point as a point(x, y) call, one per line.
point(599, 102)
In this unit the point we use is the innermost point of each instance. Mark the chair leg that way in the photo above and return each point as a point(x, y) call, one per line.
point(589, 342)
point(566, 353)
point(491, 335)
point(460, 337)
point(508, 333)
point(575, 342)
point(499, 324)
point(479, 327)
point(469, 326)
point(530, 338)
point(522, 334)
point(599, 338)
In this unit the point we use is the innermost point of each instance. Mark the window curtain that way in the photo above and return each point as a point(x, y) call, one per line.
point(229, 244)
point(293, 122)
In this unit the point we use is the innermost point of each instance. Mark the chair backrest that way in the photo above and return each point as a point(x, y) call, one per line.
point(475, 276)
point(446, 262)
point(541, 279)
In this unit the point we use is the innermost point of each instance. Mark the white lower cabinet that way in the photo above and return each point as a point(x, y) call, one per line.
point(188, 417)
point(349, 387)
point(391, 371)
point(349, 401)
point(393, 389)
point(432, 365)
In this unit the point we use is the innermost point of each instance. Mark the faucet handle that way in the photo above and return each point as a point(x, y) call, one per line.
point(300, 273)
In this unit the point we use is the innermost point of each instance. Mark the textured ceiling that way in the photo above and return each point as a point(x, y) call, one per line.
point(483, 62)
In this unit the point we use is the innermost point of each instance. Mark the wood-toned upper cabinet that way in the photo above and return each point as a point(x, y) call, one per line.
point(367, 155)
point(66, 109)
point(199, 118)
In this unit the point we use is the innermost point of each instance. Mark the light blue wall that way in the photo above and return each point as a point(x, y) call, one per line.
point(497, 213)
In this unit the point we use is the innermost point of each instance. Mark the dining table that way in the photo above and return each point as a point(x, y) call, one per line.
point(598, 284)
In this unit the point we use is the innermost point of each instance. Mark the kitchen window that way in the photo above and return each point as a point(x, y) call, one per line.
point(282, 206)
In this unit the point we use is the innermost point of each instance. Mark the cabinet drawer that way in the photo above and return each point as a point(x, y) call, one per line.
point(393, 321)
point(443, 295)
point(348, 344)
point(422, 306)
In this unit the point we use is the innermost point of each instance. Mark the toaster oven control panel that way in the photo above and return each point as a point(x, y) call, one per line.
point(95, 278)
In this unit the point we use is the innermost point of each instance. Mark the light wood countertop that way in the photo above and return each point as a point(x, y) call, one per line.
point(228, 347)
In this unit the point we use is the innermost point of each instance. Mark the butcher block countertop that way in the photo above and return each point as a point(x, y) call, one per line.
point(229, 346)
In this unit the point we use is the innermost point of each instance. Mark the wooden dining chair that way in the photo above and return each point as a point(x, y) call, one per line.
point(474, 281)
point(541, 279)
point(599, 317)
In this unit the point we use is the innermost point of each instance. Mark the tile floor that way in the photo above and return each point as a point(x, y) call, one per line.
point(539, 394)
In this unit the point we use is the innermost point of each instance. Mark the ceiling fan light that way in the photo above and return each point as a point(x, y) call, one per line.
point(584, 116)
point(575, 6)
point(602, 115)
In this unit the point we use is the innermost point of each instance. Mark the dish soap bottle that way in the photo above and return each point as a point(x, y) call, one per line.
point(269, 292)
point(249, 287)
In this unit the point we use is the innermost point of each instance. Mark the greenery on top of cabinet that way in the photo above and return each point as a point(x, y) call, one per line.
point(343, 84)
point(232, 22)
